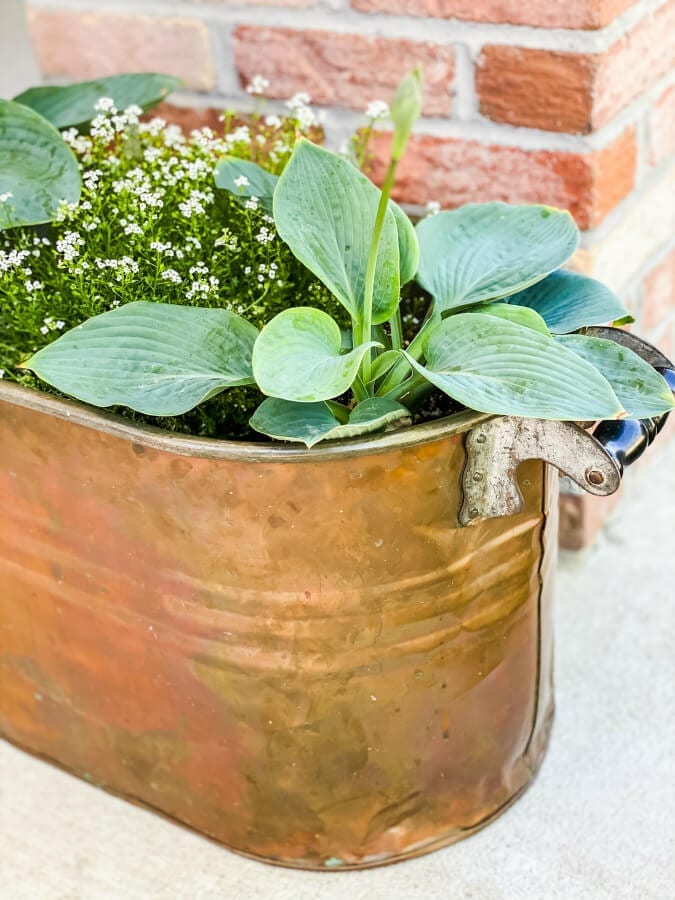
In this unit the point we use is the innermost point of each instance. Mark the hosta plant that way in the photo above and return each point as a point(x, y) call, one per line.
point(503, 333)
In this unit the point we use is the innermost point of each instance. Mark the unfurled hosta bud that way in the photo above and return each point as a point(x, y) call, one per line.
point(405, 109)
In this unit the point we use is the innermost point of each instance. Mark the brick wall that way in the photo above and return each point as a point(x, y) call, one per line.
point(568, 102)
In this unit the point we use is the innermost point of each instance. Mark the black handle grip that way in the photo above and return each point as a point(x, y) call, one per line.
point(627, 439)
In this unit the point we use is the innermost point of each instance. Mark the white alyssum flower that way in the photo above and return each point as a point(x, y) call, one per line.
point(433, 207)
point(69, 245)
point(105, 104)
point(258, 85)
point(273, 121)
point(6, 196)
point(377, 109)
point(51, 324)
point(252, 203)
point(172, 276)
point(33, 286)
point(241, 181)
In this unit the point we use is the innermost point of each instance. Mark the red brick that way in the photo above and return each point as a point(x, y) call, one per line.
point(575, 92)
point(453, 172)
point(614, 170)
point(658, 300)
point(662, 129)
point(341, 69)
point(536, 88)
point(542, 13)
point(189, 117)
point(634, 63)
point(79, 44)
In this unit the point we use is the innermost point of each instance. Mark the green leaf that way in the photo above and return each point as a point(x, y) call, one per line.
point(521, 315)
point(568, 301)
point(384, 362)
point(408, 245)
point(37, 169)
point(496, 366)
point(156, 358)
point(309, 423)
point(74, 104)
point(325, 210)
point(643, 392)
point(298, 357)
point(261, 183)
point(405, 109)
point(486, 251)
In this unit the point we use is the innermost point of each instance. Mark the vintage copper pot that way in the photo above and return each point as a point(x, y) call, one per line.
point(302, 654)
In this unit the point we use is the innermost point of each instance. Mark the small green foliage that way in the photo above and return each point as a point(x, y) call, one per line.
point(152, 226)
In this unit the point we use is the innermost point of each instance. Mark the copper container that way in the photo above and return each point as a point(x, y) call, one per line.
point(298, 653)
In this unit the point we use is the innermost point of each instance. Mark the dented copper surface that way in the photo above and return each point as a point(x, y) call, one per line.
point(299, 653)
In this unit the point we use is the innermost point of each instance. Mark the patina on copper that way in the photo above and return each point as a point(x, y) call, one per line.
point(299, 653)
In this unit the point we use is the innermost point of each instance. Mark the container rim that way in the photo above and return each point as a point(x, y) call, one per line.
point(213, 448)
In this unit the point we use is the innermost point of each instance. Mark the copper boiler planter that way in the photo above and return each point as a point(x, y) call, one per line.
point(305, 655)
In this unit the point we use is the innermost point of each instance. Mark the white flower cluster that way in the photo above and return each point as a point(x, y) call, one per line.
point(122, 268)
point(377, 109)
point(51, 324)
point(196, 203)
point(302, 111)
point(69, 245)
point(13, 259)
point(258, 85)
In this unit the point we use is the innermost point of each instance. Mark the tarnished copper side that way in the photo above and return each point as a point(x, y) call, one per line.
point(300, 654)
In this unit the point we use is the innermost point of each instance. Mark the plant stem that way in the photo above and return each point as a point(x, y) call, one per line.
point(367, 321)
point(396, 326)
point(401, 368)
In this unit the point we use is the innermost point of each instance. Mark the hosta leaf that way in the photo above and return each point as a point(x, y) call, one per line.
point(496, 366)
point(325, 210)
point(73, 104)
point(521, 315)
point(568, 301)
point(298, 357)
point(384, 362)
point(408, 246)
point(261, 183)
point(641, 389)
point(309, 423)
point(486, 251)
point(37, 168)
point(158, 359)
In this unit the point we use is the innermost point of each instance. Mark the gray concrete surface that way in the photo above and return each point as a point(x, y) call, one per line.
point(18, 68)
point(598, 824)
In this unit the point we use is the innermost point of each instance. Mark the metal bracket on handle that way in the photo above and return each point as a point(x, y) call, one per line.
point(496, 448)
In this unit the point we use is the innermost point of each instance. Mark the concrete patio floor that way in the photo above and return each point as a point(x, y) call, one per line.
point(598, 824)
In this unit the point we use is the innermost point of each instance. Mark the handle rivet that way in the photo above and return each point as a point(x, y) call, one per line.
point(473, 513)
point(477, 476)
point(480, 439)
point(595, 477)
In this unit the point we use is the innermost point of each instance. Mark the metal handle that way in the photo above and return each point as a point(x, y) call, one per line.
point(625, 440)
point(596, 461)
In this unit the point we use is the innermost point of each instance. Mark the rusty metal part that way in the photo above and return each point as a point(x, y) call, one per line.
point(496, 448)
point(301, 654)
